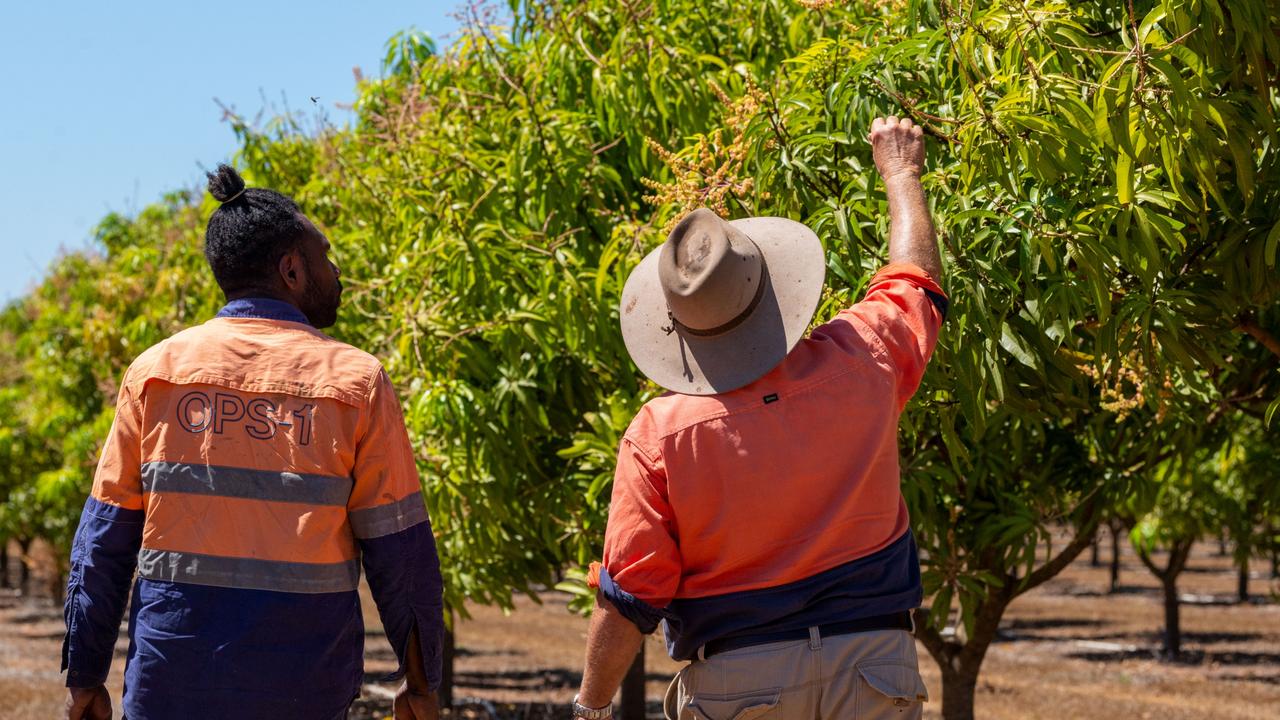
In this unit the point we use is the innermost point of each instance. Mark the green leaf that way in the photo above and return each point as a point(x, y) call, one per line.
point(1273, 239)
point(1149, 23)
point(1124, 178)
point(1242, 158)
point(1018, 348)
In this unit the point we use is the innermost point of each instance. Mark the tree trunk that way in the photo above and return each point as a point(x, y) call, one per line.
point(4, 563)
point(1242, 580)
point(632, 703)
point(1095, 554)
point(1172, 628)
point(58, 578)
point(961, 664)
point(446, 669)
point(1222, 544)
point(24, 567)
point(1115, 559)
point(1168, 576)
point(1179, 552)
point(958, 689)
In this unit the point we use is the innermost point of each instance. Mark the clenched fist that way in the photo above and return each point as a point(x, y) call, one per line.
point(897, 146)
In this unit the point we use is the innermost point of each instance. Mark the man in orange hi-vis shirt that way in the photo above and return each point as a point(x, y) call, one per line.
point(253, 466)
point(756, 508)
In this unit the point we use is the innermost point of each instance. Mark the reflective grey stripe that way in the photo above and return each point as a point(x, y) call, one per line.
point(237, 482)
point(247, 573)
point(386, 519)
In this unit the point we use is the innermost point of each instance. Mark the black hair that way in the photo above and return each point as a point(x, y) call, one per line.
point(249, 233)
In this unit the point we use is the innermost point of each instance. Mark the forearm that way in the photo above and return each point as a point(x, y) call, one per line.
point(612, 644)
point(911, 234)
point(415, 668)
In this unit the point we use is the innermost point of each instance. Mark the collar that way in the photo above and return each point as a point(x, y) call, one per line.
point(262, 308)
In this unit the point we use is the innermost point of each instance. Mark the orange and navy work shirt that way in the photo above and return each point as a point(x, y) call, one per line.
point(254, 463)
point(777, 506)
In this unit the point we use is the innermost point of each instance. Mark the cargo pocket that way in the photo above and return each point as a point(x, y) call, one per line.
point(889, 690)
point(754, 705)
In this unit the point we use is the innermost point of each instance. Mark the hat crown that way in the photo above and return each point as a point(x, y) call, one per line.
point(710, 272)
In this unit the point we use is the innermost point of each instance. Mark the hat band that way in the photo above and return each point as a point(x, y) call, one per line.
point(736, 321)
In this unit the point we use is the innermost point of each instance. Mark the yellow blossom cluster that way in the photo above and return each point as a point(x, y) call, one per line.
point(708, 173)
point(1114, 386)
point(1124, 389)
point(824, 4)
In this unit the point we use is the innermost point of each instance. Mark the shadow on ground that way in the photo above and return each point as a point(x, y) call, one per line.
point(1186, 657)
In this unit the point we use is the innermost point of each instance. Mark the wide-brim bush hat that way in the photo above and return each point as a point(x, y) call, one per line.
point(721, 303)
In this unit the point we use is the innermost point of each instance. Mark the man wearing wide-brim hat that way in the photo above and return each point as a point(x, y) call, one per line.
point(756, 508)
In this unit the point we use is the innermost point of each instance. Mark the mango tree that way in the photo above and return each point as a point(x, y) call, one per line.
point(69, 342)
point(1107, 229)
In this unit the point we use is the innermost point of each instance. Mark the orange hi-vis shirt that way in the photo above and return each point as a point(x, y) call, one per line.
point(254, 466)
point(777, 506)
point(260, 451)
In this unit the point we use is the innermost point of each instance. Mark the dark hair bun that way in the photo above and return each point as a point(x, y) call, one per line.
point(224, 183)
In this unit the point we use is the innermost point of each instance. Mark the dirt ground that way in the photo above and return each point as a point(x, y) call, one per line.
point(1066, 650)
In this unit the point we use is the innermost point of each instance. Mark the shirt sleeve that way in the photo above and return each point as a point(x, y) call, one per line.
point(104, 553)
point(642, 567)
point(389, 520)
point(904, 309)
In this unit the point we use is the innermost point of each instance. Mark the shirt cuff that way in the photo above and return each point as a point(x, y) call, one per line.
point(645, 616)
point(83, 681)
point(915, 275)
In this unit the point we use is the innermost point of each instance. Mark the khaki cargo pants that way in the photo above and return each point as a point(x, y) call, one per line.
point(859, 676)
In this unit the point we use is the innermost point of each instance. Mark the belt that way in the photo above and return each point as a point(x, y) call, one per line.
point(893, 621)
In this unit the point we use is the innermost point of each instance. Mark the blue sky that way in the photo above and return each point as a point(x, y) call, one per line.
point(106, 106)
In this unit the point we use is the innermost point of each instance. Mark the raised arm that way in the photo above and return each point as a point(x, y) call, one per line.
point(898, 149)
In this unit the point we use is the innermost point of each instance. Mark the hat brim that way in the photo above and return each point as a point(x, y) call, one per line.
point(697, 365)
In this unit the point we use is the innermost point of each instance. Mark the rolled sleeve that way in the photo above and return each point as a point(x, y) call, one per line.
point(389, 520)
point(104, 552)
point(904, 308)
point(645, 616)
point(642, 566)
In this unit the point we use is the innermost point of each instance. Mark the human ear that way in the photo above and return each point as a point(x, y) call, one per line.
point(293, 271)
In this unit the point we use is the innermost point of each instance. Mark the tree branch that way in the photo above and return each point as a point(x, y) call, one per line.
point(1258, 333)
point(932, 640)
point(1145, 557)
point(1083, 537)
point(921, 116)
point(1178, 556)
